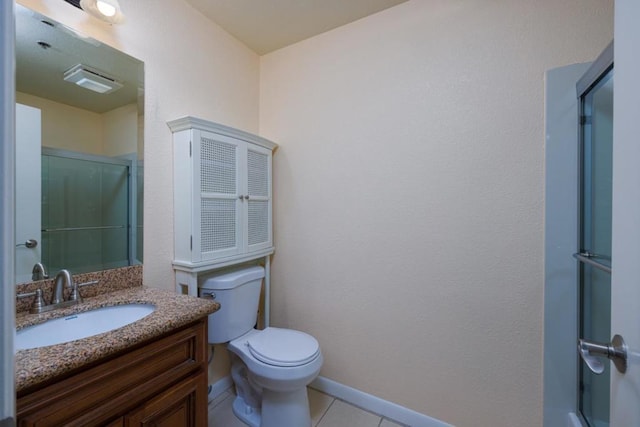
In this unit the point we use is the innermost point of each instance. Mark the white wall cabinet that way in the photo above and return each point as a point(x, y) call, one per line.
point(222, 198)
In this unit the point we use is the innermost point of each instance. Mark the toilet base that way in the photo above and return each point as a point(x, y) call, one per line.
point(288, 409)
point(245, 413)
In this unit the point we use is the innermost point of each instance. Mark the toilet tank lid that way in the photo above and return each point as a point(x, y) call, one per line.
point(231, 279)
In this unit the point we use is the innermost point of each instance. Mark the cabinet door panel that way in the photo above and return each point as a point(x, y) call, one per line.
point(176, 407)
point(257, 223)
point(220, 187)
point(258, 209)
point(258, 169)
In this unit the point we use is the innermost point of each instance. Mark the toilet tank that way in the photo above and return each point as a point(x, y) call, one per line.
point(238, 293)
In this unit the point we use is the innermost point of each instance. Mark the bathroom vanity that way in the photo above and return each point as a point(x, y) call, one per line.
point(151, 372)
point(161, 383)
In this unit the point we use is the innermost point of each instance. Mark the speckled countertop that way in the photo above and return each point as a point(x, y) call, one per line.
point(172, 311)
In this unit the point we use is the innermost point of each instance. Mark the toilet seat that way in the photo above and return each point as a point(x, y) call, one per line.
point(283, 347)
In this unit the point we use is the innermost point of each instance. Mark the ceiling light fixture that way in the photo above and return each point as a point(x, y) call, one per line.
point(106, 10)
point(91, 78)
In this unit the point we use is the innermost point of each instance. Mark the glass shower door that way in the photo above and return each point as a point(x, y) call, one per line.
point(85, 213)
point(595, 241)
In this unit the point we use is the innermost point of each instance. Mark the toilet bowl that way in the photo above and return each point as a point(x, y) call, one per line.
point(269, 363)
point(271, 368)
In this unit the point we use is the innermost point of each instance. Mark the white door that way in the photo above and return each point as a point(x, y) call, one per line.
point(625, 280)
point(28, 190)
point(7, 293)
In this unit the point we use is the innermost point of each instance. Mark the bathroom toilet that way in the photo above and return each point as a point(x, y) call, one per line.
point(271, 368)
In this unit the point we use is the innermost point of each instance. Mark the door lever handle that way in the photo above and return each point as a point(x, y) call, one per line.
point(592, 353)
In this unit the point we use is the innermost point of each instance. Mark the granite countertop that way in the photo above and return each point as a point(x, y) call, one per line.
point(36, 365)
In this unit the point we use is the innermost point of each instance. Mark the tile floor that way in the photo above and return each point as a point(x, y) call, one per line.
point(326, 411)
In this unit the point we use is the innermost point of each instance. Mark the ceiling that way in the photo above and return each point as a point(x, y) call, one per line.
point(268, 25)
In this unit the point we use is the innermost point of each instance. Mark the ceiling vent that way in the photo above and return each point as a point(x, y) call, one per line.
point(91, 78)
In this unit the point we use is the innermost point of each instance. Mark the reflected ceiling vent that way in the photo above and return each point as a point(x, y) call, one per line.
point(91, 78)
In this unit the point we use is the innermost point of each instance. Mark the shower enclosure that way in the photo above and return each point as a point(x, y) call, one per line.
point(88, 211)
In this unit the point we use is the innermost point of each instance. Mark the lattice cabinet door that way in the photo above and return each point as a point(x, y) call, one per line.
point(220, 182)
point(258, 198)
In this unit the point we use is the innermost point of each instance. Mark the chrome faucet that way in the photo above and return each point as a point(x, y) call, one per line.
point(63, 280)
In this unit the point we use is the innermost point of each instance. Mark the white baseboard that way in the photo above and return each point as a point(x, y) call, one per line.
point(220, 386)
point(374, 404)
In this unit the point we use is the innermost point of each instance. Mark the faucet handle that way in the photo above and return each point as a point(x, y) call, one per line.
point(91, 282)
point(75, 292)
point(38, 303)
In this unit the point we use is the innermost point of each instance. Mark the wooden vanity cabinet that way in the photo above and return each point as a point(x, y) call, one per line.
point(162, 383)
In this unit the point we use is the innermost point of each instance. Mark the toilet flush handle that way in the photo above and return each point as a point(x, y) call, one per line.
point(208, 295)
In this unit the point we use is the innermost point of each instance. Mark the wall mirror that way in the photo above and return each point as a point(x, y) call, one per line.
point(79, 150)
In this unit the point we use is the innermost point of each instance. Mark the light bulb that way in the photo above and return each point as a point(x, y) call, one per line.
point(105, 8)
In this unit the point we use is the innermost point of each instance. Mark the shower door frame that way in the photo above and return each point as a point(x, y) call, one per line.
point(592, 78)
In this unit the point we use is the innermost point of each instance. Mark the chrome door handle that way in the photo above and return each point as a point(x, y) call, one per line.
point(592, 352)
point(31, 243)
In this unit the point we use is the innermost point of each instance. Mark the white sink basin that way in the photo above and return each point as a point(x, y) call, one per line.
point(80, 325)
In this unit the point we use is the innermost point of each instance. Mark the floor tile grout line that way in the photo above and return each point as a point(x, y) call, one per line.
point(326, 410)
point(382, 417)
point(219, 401)
point(230, 396)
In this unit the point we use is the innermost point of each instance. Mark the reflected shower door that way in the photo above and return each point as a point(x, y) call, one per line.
point(85, 220)
point(595, 240)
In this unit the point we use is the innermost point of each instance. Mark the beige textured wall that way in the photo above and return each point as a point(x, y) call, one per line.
point(121, 130)
point(66, 127)
point(113, 133)
point(409, 198)
point(192, 67)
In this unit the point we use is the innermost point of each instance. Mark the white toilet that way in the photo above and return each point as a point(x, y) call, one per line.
point(271, 368)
